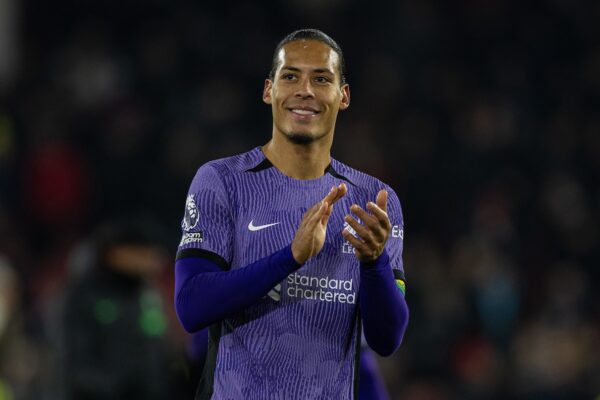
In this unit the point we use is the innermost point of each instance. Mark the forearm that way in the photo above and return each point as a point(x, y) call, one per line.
point(205, 294)
point(383, 307)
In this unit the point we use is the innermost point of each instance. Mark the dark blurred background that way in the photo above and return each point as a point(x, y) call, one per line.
point(482, 115)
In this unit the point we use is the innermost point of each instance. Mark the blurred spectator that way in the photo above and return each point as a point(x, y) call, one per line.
point(19, 359)
point(115, 325)
point(56, 185)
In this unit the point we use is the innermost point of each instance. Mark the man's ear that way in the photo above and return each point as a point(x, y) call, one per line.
point(267, 91)
point(345, 100)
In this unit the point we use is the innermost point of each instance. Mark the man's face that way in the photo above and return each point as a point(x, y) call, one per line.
point(305, 94)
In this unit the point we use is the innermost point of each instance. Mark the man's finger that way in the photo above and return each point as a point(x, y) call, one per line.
point(312, 210)
point(326, 214)
point(336, 193)
point(365, 217)
point(323, 206)
point(361, 230)
point(331, 194)
point(382, 199)
point(381, 215)
point(342, 190)
point(358, 244)
point(312, 215)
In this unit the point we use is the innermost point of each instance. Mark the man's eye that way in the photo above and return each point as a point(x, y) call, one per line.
point(321, 79)
point(289, 77)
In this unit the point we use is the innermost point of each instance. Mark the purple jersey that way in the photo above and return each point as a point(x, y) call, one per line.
point(301, 341)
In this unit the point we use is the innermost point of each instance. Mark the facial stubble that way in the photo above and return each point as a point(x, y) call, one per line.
point(303, 139)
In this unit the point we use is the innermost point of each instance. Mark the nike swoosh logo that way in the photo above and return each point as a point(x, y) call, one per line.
point(254, 228)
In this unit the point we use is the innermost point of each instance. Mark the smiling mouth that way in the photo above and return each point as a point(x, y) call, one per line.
point(303, 112)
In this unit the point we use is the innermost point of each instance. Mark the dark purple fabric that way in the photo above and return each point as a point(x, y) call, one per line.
point(242, 209)
point(197, 346)
point(382, 306)
point(371, 385)
point(205, 294)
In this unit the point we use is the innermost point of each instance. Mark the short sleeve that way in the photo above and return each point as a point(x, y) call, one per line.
point(395, 243)
point(207, 226)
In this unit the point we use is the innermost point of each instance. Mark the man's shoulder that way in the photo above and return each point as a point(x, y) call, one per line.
point(220, 174)
point(234, 164)
point(359, 178)
point(368, 186)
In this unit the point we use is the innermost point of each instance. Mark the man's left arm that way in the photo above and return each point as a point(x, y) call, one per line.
point(378, 246)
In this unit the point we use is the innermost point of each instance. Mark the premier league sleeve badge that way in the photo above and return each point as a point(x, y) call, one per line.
point(190, 219)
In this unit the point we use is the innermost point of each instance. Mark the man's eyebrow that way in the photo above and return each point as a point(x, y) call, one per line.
point(323, 71)
point(317, 70)
point(289, 68)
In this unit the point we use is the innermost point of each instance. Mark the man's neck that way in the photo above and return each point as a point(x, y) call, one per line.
point(298, 161)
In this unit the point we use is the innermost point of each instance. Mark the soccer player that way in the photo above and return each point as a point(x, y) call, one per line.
point(286, 252)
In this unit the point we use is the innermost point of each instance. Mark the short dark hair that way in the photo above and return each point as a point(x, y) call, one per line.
point(310, 34)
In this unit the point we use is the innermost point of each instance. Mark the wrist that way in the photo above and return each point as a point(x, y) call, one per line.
point(376, 263)
point(297, 255)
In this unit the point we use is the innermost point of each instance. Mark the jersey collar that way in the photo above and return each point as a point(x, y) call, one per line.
point(266, 164)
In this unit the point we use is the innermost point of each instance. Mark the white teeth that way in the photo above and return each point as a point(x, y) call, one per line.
point(303, 112)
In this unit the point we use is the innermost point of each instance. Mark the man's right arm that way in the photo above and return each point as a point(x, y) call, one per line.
point(204, 293)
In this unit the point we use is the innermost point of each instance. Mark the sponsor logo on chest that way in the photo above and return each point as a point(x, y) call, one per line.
point(321, 289)
point(314, 288)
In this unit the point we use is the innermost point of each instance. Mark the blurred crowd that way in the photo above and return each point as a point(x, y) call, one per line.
point(482, 115)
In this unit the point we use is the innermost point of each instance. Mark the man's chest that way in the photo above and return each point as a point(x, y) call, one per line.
point(267, 223)
point(321, 296)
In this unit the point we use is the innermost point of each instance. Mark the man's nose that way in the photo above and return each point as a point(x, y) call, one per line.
point(304, 89)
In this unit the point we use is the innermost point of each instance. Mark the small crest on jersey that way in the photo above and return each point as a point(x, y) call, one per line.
point(190, 219)
point(350, 229)
point(347, 247)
